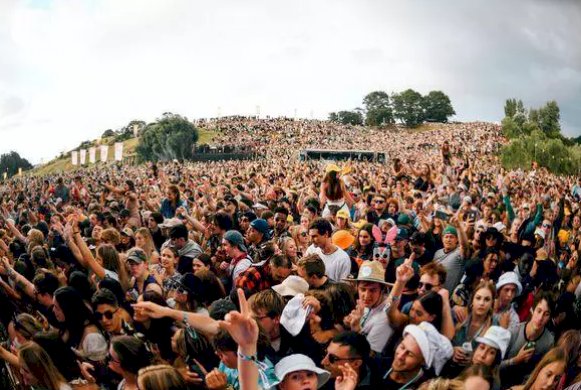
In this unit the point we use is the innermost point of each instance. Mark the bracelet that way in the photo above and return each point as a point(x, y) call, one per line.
point(11, 273)
point(251, 358)
point(395, 298)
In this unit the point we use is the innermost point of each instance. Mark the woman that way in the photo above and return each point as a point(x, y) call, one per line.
point(547, 373)
point(362, 249)
point(127, 355)
point(202, 262)
point(160, 377)
point(211, 286)
point(165, 273)
point(480, 318)
point(144, 240)
point(288, 247)
point(300, 234)
point(131, 201)
point(491, 265)
point(67, 363)
point(192, 350)
point(188, 294)
point(424, 180)
point(170, 204)
point(20, 330)
point(78, 327)
point(38, 369)
point(158, 331)
point(477, 377)
point(570, 342)
point(333, 193)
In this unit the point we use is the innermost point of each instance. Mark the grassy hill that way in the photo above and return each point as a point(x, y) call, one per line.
point(64, 164)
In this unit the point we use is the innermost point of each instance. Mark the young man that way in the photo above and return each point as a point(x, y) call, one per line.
point(452, 256)
point(264, 275)
point(368, 317)
point(113, 319)
point(352, 348)
point(422, 347)
point(187, 249)
point(235, 250)
point(337, 262)
point(312, 269)
point(257, 237)
point(507, 288)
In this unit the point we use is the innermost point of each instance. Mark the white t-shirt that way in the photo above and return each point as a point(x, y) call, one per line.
point(375, 327)
point(337, 264)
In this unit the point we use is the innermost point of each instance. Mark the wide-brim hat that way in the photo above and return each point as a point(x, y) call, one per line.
point(291, 286)
point(371, 271)
point(299, 362)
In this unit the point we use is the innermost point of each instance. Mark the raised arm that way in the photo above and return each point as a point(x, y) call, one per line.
point(19, 280)
point(200, 322)
point(403, 275)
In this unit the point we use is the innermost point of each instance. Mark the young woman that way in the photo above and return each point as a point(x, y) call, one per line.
point(480, 318)
point(288, 247)
point(333, 193)
point(78, 327)
point(127, 355)
point(211, 286)
point(144, 240)
point(165, 273)
point(188, 294)
point(38, 369)
point(300, 234)
point(362, 249)
point(160, 377)
point(547, 373)
point(202, 262)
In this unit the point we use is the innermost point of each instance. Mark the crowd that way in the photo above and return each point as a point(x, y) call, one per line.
point(437, 270)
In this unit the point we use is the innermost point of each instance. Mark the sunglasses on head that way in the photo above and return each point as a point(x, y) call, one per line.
point(426, 286)
point(108, 314)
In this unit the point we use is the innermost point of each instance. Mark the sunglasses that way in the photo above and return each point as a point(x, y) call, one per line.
point(545, 225)
point(303, 234)
point(383, 255)
point(379, 201)
point(334, 359)
point(244, 220)
point(181, 290)
point(426, 286)
point(107, 314)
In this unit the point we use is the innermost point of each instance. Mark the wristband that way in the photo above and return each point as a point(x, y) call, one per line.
point(395, 298)
point(11, 273)
point(248, 358)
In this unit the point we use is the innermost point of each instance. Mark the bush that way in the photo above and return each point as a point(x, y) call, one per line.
point(170, 137)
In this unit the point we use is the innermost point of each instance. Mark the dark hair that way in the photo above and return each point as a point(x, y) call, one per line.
point(80, 282)
point(104, 297)
point(368, 227)
point(225, 343)
point(219, 308)
point(46, 283)
point(211, 286)
point(334, 190)
point(281, 210)
point(222, 220)
point(53, 344)
point(131, 353)
point(157, 217)
point(432, 303)
point(281, 261)
point(357, 343)
point(322, 226)
point(547, 297)
point(204, 258)
point(313, 265)
point(179, 231)
point(77, 314)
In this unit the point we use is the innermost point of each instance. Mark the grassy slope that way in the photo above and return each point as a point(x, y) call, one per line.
point(64, 164)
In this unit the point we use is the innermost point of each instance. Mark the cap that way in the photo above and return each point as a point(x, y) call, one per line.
point(136, 255)
point(127, 232)
point(404, 219)
point(499, 226)
point(509, 278)
point(468, 199)
point(298, 362)
point(450, 230)
point(496, 337)
point(343, 239)
point(402, 234)
point(343, 214)
point(235, 238)
point(291, 286)
point(260, 225)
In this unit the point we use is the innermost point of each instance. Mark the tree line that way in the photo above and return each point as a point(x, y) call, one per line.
point(408, 107)
point(11, 162)
point(535, 136)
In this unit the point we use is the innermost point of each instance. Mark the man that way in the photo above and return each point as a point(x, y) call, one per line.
point(337, 262)
point(398, 254)
point(421, 244)
point(113, 319)
point(312, 269)
point(264, 275)
point(235, 250)
point(422, 347)
point(245, 219)
point(432, 278)
point(267, 307)
point(352, 348)
point(529, 342)
point(281, 222)
point(379, 208)
point(452, 256)
point(187, 249)
point(257, 236)
point(61, 191)
point(507, 288)
point(368, 317)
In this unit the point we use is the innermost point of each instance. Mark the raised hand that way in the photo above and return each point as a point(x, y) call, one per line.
point(348, 378)
point(241, 325)
point(150, 309)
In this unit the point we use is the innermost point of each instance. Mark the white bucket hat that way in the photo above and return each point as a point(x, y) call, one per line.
point(496, 337)
point(436, 349)
point(509, 278)
point(292, 285)
point(298, 362)
point(294, 315)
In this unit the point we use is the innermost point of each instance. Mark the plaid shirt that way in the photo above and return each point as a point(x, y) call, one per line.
point(255, 279)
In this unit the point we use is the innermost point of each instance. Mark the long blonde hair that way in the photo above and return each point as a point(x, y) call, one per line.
point(160, 377)
point(554, 355)
point(149, 247)
point(37, 361)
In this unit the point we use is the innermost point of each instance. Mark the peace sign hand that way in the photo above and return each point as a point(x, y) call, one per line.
point(241, 325)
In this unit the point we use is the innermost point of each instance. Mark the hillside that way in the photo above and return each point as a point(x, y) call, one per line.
point(64, 164)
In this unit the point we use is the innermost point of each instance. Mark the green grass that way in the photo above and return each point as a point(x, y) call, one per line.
point(64, 164)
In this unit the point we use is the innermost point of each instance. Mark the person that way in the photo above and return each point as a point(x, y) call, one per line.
point(160, 377)
point(187, 248)
point(362, 249)
point(421, 348)
point(257, 236)
point(368, 318)
point(508, 288)
point(78, 326)
point(333, 193)
point(38, 370)
point(312, 269)
point(172, 202)
point(337, 262)
point(144, 240)
point(477, 377)
point(547, 372)
point(114, 320)
point(529, 341)
point(141, 279)
point(127, 355)
point(165, 273)
point(235, 250)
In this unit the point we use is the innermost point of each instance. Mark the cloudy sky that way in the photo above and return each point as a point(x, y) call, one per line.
point(70, 69)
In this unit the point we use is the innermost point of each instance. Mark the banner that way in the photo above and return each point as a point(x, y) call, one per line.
point(104, 152)
point(92, 152)
point(19, 171)
point(74, 157)
point(83, 156)
point(118, 151)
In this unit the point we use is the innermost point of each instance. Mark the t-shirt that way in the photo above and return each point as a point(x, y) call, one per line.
point(453, 262)
point(337, 264)
point(375, 327)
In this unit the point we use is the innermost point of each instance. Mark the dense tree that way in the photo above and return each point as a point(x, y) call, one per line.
point(350, 117)
point(108, 133)
point(437, 107)
point(170, 137)
point(378, 109)
point(10, 162)
point(407, 107)
point(549, 117)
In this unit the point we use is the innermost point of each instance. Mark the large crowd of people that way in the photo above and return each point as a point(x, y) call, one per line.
point(435, 270)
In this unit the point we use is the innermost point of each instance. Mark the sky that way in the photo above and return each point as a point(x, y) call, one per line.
point(71, 69)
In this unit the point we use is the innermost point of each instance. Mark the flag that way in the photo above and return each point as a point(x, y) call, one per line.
point(104, 152)
point(118, 151)
point(83, 156)
point(74, 157)
point(92, 152)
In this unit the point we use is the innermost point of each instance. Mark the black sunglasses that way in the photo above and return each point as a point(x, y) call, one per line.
point(384, 255)
point(107, 314)
point(334, 359)
point(426, 286)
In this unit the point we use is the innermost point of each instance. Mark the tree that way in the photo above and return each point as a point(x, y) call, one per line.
point(10, 162)
point(378, 109)
point(407, 107)
point(437, 107)
point(333, 117)
point(170, 137)
point(108, 133)
point(350, 118)
point(549, 117)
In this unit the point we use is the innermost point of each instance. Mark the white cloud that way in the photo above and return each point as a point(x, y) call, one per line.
point(70, 69)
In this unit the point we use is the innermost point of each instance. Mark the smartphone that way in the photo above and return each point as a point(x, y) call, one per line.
point(467, 347)
point(530, 345)
point(442, 215)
